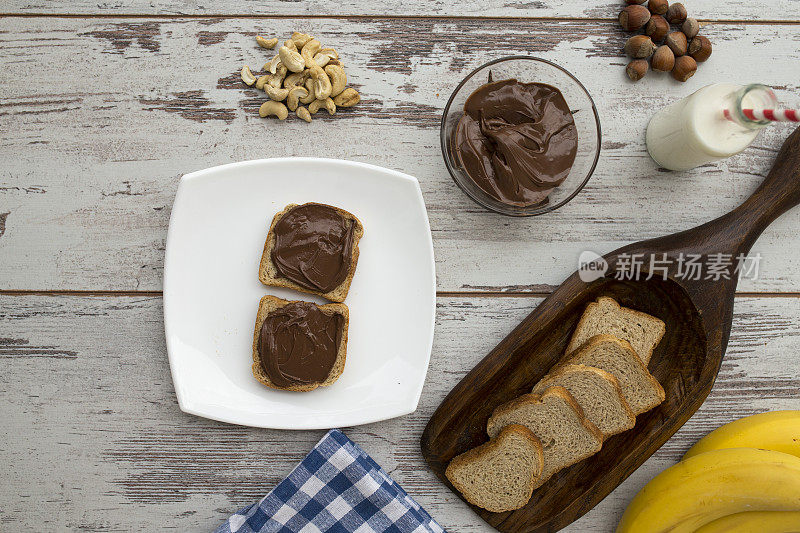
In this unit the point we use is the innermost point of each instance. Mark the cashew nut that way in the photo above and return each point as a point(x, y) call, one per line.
point(294, 96)
point(266, 43)
point(303, 113)
point(300, 39)
point(321, 60)
point(347, 98)
point(271, 107)
point(324, 56)
point(308, 51)
point(315, 106)
point(295, 79)
point(279, 95)
point(247, 76)
point(330, 106)
point(293, 60)
point(271, 66)
point(322, 83)
point(338, 79)
point(276, 80)
point(303, 77)
point(327, 103)
point(330, 52)
point(311, 96)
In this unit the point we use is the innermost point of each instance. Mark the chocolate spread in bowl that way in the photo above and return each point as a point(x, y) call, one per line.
point(516, 141)
point(298, 344)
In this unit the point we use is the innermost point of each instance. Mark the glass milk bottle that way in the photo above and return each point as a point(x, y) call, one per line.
point(699, 130)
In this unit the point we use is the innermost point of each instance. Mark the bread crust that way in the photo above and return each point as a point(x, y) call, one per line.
point(564, 368)
point(592, 342)
point(270, 303)
point(532, 398)
point(477, 454)
point(268, 274)
point(607, 300)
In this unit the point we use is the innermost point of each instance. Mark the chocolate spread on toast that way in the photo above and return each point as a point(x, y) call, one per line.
point(298, 344)
point(313, 246)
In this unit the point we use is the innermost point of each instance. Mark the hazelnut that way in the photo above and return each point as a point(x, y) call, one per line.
point(657, 28)
point(640, 47)
point(700, 48)
point(633, 17)
point(690, 28)
point(635, 1)
point(685, 67)
point(676, 13)
point(677, 43)
point(636, 69)
point(658, 7)
point(663, 60)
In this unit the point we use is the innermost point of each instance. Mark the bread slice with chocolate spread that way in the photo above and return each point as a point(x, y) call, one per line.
point(270, 304)
point(270, 274)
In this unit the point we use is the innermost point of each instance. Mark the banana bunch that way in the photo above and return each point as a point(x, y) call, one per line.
point(776, 430)
point(755, 521)
point(742, 477)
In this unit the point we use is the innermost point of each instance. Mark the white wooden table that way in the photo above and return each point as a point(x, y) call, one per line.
point(105, 104)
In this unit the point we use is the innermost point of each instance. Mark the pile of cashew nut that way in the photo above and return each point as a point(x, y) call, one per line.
point(302, 74)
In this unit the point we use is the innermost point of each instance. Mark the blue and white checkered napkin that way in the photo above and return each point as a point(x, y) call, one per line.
point(337, 488)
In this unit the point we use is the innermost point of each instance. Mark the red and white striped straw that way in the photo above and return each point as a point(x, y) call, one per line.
point(773, 115)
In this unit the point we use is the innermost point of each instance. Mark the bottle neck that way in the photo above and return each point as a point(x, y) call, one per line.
point(754, 96)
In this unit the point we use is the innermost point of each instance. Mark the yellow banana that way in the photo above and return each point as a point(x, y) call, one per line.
point(776, 430)
point(711, 485)
point(760, 521)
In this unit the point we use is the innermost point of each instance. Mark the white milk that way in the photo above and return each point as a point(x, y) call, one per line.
point(694, 131)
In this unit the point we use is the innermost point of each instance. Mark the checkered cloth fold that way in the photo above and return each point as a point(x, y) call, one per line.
point(337, 488)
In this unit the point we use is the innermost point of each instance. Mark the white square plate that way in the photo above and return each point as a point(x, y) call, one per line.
point(216, 235)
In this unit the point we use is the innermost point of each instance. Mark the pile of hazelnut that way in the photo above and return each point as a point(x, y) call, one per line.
point(681, 51)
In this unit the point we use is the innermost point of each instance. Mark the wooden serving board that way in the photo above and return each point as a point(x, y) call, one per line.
point(697, 314)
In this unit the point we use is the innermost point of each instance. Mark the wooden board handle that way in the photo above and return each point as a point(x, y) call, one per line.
point(735, 232)
point(778, 193)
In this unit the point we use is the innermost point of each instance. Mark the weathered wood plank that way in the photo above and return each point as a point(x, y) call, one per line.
point(705, 9)
point(92, 438)
point(101, 117)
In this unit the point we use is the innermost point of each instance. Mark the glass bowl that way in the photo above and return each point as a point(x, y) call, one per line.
point(527, 69)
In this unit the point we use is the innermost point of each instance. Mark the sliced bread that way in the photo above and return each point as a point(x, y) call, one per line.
point(499, 475)
point(597, 392)
point(557, 421)
point(269, 274)
point(616, 356)
point(607, 317)
point(270, 304)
